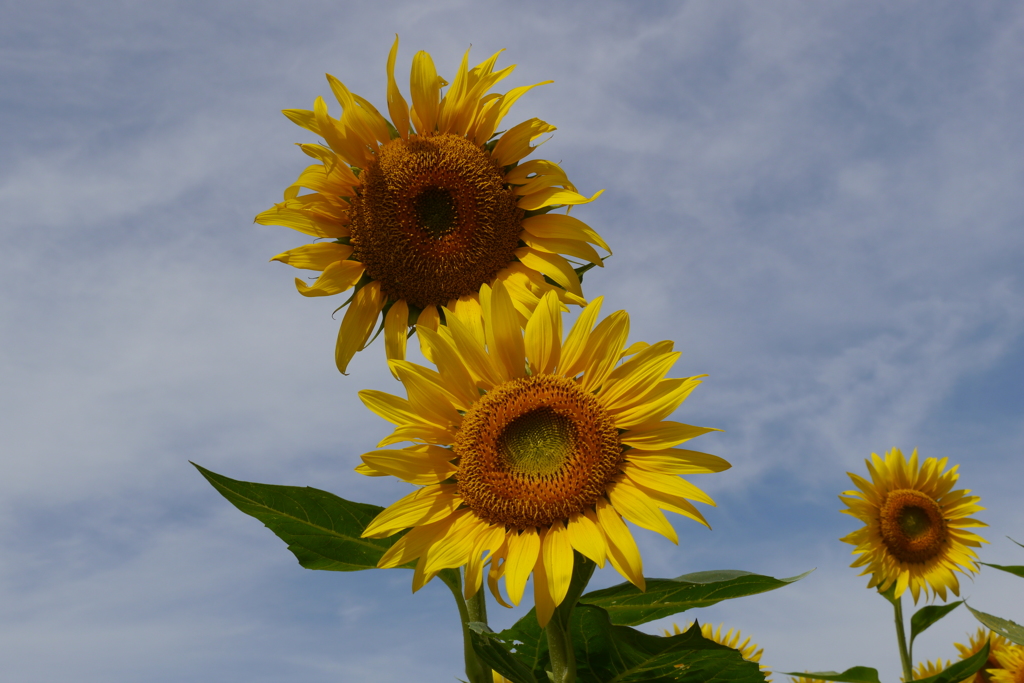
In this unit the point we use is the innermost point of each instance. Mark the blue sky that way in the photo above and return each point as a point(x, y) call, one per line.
point(819, 202)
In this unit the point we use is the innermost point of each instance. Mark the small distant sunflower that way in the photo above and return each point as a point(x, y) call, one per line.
point(996, 645)
point(915, 534)
point(926, 669)
point(750, 652)
point(804, 679)
point(528, 447)
point(1011, 665)
point(423, 210)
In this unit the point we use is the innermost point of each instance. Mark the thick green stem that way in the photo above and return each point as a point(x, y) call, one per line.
point(476, 671)
point(901, 636)
point(558, 630)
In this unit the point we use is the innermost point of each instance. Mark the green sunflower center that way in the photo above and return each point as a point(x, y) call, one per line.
point(912, 526)
point(534, 450)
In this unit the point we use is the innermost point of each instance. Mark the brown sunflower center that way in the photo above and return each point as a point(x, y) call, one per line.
point(912, 526)
point(433, 219)
point(534, 450)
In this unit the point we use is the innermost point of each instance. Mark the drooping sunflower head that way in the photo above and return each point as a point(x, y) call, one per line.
point(975, 642)
point(731, 638)
point(529, 447)
point(916, 527)
point(423, 210)
point(1011, 665)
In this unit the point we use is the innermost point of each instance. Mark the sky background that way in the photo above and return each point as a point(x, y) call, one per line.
point(819, 202)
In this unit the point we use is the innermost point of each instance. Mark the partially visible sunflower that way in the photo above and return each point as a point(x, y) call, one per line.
point(927, 668)
point(421, 211)
point(750, 652)
point(1011, 665)
point(804, 679)
point(916, 527)
point(529, 447)
point(996, 645)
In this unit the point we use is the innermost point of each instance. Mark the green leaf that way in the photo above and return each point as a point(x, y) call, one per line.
point(321, 529)
point(1020, 544)
point(627, 605)
point(926, 616)
point(1015, 570)
point(856, 674)
point(606, 653)
point(961, 670)
point(1004, 627)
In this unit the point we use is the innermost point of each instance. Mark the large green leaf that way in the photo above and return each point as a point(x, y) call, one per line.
point(628, 606)
point(961, 670)
point(321, 529)
point(606, 653)
point(926, 616)
point(1016, 570)
point(855, 674)
point(1004, 627)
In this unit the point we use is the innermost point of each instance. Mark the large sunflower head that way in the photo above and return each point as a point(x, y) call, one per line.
point(1011, 665)
point(916, 527)
point(975, 642)
point(421, 211)
point(731, 638)
point(528, 447)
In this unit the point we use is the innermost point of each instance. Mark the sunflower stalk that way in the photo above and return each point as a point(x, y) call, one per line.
point(901, 635)
point(559, 631)
point(476, 671)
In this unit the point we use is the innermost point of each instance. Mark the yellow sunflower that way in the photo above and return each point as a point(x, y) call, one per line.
point(423, 210)
point(750, 652)
point(916, 527)
point(1011, 665)
point(996, 645)
point(528, 447)
point(927, 668)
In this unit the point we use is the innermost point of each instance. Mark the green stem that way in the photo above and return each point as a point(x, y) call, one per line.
point(476, 671)
point(901, 636)
point(558, 631)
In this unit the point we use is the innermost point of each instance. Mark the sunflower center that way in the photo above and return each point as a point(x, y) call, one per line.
point(534, 450)
point(912, 526)
point(433, 219)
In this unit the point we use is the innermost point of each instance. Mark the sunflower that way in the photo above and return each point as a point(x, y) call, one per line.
point(1011, 665)
point(996, 645)
point(528, 447)
point(916, 527)
point(927, 669)
point(421, 211)
point(751, 653)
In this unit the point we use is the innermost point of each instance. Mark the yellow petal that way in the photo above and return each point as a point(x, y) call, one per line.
point(368, 471)
point(575, 248)
point(428, 318)
point(396, 330)
point(425, 86)
point(472, 352)
point(425, 396)
point(523, 549)
point(556, 549)
point(576, 342)
point(315, 256)
point(543, 603)
point(397, 107)
point(552, 265)
point(350, 149)
point(656, 405)
point(421, 465)
point(337, 170)
point(394, 409)
point(657, 436)
point(604, 348)
point(677, 461)
point(303, 118)
point(642, 374)
point(336, 278)
point(456, 377)
point(453, 550)
point(586, 537)
point(422, 506)
point(290, 216)
point(358, 122)
point(554, 196)
point(515, 143)
point(622, 550)
point(450, 104)
point(412, 545)
point(496, 571)
point(543, 338)
point(638, 508)
point(672, 503)
point(421, 433)
point(504, 336)
point(357, 324)
point(488, 543)
point(561, 226)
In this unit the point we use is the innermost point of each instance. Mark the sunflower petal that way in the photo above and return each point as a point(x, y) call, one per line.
point(556, 550)
point(586, 537)
point(396, 331)
point(421, 465)
point(422, 506)
point(561, 226)
point(632, 504)
point(657, 436)
point(622, 550)
point(315, 256)
point(425, 86)
point(543, 336)
point(576, 342)
point(523, 549)
point(357, 324)
point(504, 335)
point(515, 143)
point(552, 265)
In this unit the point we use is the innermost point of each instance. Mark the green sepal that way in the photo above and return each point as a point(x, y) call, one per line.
point(855, 674)
point(1012, 569)
point(627, 605)
point(1010, 630)
point(322, 530)
point(961, 670)
point(607, 653)
point(926, 616)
